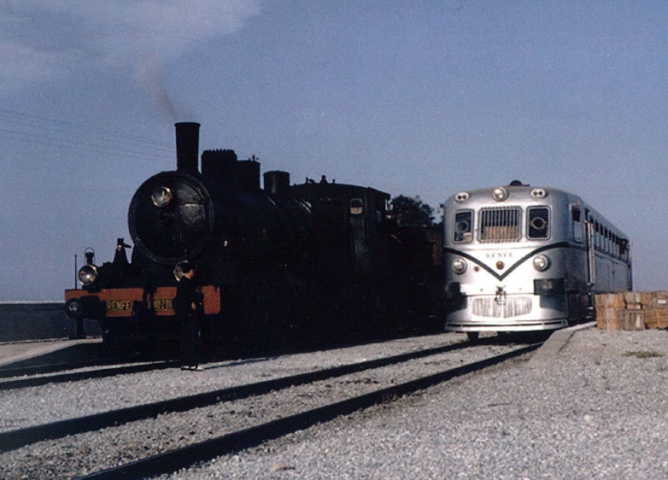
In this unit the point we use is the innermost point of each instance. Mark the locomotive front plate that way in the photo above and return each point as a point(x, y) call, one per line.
point(120, 301)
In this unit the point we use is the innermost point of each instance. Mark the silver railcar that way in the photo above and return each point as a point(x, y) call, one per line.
point(522, 258)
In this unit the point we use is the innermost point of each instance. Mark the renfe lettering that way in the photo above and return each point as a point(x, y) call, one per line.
point(491, 256)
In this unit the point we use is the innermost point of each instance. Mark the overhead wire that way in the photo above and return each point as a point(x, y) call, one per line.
point(70, 123)
point(90, 148)
point(61, 133)
point(66, 143)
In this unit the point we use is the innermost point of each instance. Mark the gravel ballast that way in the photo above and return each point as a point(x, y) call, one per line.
point(598, 410)
point(140, 439)
point(36, 405)
point(75, 455)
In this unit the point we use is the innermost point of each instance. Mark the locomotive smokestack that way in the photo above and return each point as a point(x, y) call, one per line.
point(187, 147)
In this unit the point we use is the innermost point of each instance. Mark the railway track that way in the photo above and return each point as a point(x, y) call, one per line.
point(247, 437)
point(233, 442)
point(25, 436)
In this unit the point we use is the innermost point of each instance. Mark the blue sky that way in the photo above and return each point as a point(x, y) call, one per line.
point(411, 97)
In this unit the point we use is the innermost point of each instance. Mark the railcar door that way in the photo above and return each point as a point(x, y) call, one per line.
point(591, 250)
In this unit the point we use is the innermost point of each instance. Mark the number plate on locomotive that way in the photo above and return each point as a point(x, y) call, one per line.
point(119, 306)
point(159, 304)
point(162, 304)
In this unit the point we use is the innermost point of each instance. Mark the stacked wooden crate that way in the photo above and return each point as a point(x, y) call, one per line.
point(608, 307)
point(632, 310)
point(657, 311)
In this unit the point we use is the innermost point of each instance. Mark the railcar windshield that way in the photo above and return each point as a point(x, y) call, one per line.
point(539, 222)
point(463, 227)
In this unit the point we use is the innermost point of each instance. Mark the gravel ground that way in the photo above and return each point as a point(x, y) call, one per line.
point(76, 455)
point(144, 438)
point(598, 411)
point(37, 405)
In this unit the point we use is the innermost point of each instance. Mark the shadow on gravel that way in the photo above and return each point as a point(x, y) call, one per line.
point(513, 338)
point(92, 355)
point(248, 348)
point(395, 329)
point(528, 338)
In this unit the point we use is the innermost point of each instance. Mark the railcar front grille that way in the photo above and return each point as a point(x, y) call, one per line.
point(501, 308)
point(500, 224)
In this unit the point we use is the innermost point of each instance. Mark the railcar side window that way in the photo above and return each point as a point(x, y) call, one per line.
point(463, 227)
point(577, 226)
point(539, 222)
point(606, 240)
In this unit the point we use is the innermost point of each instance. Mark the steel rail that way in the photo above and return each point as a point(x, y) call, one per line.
point(14, 439)
point(185, 457)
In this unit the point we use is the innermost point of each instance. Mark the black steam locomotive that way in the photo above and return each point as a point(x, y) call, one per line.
point(283, 260)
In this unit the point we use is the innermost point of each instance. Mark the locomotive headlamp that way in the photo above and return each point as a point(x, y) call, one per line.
point(161, 197)
point(459, 265)
point(500, 194)
point(178, 273)
point(88, 274)
point(541, 262)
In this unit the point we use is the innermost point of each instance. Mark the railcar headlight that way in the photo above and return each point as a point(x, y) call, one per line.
point(461, 197)
point(541, 262)
point(161, 197)
point(88, 274)
point(500, 194)
point(459, 265)
point(538, 193)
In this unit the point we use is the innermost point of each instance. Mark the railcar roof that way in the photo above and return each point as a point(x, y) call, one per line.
point(521, 195)
point(519, 189)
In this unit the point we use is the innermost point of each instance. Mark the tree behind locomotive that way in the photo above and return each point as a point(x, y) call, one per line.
point(286, 260)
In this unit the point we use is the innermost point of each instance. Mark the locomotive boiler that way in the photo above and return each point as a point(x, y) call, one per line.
point(274, 261)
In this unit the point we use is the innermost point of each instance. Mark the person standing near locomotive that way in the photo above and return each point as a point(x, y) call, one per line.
point(188, 305)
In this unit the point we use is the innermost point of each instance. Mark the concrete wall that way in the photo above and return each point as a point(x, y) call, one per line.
point(38, 321)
